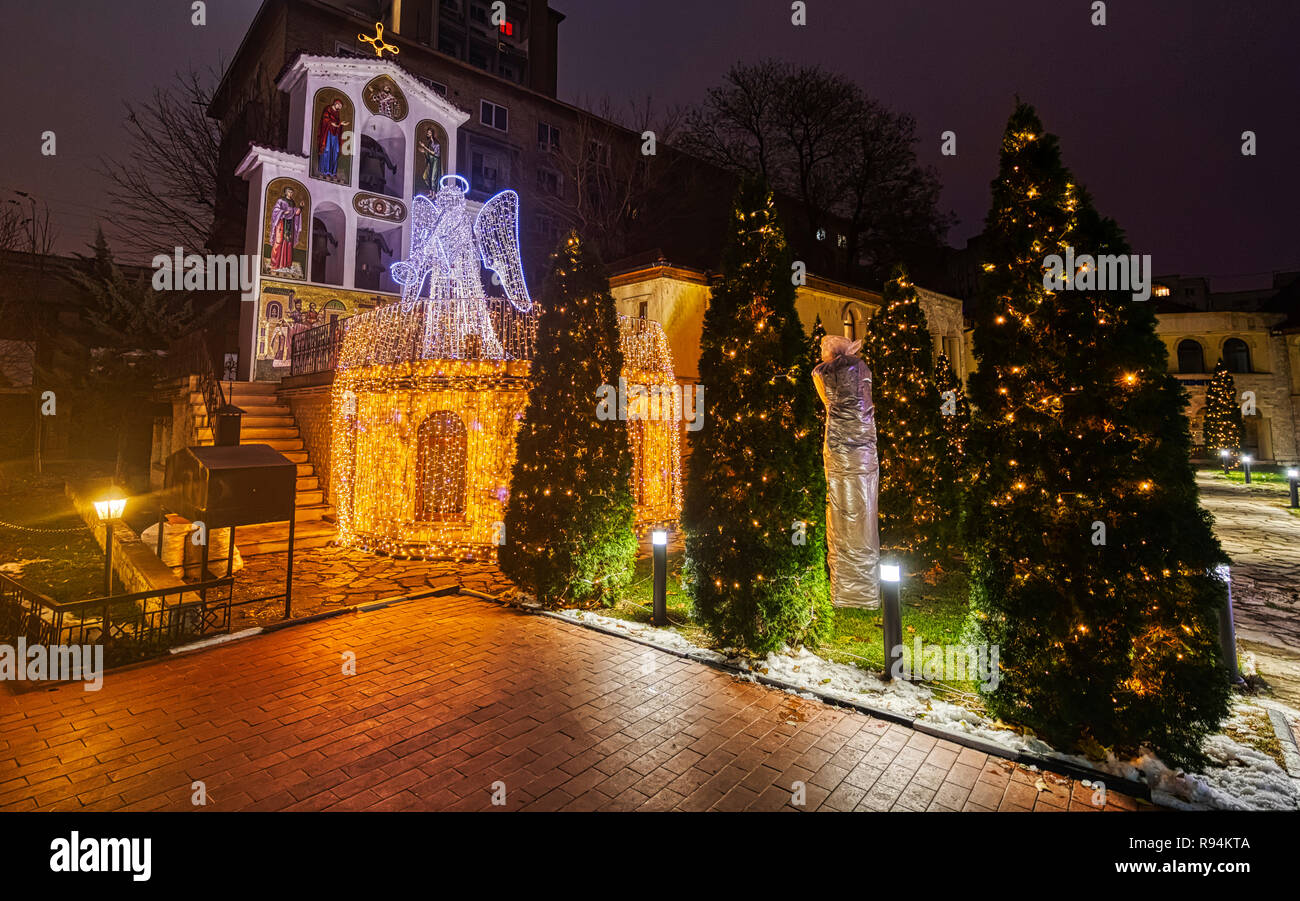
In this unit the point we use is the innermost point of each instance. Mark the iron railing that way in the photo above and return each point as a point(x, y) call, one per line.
point(191, 355)
point(316, 349)
point(129, 626)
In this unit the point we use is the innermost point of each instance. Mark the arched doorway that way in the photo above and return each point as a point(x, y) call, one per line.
point(440, 468)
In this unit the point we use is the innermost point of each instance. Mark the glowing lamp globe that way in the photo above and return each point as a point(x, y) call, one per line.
point(111, 508)
point(889, 572)
point(659, 537)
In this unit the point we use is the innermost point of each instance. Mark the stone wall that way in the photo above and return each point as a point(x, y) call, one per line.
point(312, 412)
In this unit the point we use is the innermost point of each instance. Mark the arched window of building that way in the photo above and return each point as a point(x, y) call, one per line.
point(1191, 356)
point(853, 321)
point(1236, 355)
point(440, 468)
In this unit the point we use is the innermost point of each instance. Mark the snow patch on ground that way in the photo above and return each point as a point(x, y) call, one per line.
point(1238, 777)
point(16, 568)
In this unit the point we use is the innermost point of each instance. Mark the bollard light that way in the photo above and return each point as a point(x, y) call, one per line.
point(1246, 460)
point(891, 615)
point(659, 544)
point(109, 510)
point(1293, 480)
point(1224, 455)
point(1227, 629)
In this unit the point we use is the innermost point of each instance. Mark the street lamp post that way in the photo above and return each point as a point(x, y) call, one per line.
point(891, 615)
point(1224, 455)
point(1293, 480)
point(109, 511)
point(1228, 629)
point(1246, 460)
point(659, 543)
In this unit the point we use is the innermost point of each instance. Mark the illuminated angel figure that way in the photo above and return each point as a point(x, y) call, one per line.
point(446, 251)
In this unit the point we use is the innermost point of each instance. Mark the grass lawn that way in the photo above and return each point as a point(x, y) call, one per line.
point(936, 612)
point(66, 565)
point(1272, 475)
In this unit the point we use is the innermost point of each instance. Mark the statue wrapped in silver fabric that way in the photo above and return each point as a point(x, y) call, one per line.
point(852, 474)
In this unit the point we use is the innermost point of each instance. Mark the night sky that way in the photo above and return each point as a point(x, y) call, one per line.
point(1149, 108)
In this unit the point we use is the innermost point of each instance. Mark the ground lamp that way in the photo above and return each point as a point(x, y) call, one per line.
point(1224, 455)
point(1227, 629)
point(891, 615)
point(659, 542)
point(109, 511)
point(1246, 460)
point(1293, 479)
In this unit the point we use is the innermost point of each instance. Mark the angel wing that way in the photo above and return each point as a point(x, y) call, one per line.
point(496, 229)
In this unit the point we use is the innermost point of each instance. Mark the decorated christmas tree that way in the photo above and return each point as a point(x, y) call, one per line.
point(918, 497)
point(754, 511)
point(569, 520)
point(1092, 562)
point(956, 415)
point(1222, 415)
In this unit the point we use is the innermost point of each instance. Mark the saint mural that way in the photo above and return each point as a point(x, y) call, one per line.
point(333, 122)
point(430, 144)
point(384, 98)
point(285, 245)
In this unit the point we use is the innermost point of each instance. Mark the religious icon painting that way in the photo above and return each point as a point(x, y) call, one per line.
point(284, 236)
point(331, 147)
point(383, 97)
point(430, 156)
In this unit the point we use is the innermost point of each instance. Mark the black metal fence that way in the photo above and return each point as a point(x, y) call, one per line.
point(129, 626)
point(316, 349)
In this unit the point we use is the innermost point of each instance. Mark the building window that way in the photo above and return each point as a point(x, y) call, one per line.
point(548, 181)
point(449, 45)
point(436, 86)
point(486, 171)
point(1191, 356)
point(494, 116)
point(1161, 291)
point(548, 138)
point(643, 310)
point(546, 228)
point(852, 319)
point(598, 153)
point(1236, 355)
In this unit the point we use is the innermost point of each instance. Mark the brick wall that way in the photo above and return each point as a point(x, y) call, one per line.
point(311, 411)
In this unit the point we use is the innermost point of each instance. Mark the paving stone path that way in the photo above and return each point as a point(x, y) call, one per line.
point(453, 694)
point(1263, 540)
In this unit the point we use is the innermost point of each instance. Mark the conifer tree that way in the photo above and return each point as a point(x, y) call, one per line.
point(1223, 425)
point(814, 358)
point(754, 516)
point(956, 416)
point(569, 534)
point(1092, 562)
point(917, 486)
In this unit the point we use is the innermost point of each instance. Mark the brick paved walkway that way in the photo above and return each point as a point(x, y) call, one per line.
point(453, 694)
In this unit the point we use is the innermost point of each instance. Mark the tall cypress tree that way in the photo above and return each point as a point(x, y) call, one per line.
point(754, 516)
point(569, 519)
point(1091, 558)
point(1223, 425)
point(917, 485)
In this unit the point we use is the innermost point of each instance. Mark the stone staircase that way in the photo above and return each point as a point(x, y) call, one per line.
point(267, 421)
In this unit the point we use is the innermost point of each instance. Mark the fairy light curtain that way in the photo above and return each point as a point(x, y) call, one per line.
point(429, 392)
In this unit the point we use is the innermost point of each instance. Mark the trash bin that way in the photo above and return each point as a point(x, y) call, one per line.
point(225, 426)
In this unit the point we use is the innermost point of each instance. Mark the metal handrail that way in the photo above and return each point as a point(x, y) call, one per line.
point(190, 356)
point(128, 625)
